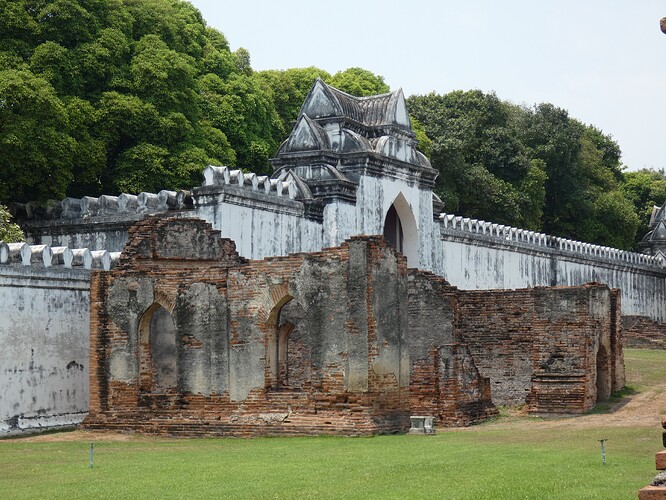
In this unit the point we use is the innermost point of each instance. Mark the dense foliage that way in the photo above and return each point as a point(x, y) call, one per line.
point(9, 231)
point(536, 168)
point(104, 96)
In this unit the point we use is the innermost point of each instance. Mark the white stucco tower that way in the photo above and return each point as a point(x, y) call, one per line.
point(358, 157)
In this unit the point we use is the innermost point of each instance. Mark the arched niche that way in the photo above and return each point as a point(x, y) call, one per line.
point(277, 366)
point(158, 351)
point(603, 381)
point(400, 230)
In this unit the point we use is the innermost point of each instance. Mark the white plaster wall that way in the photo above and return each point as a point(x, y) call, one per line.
point(339, 223)
point(374, 198)
point(112, 240)
point(263, 233)
point(44, 333)
point(473, 263)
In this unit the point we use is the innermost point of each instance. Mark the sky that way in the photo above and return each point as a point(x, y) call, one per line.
point(602, 60)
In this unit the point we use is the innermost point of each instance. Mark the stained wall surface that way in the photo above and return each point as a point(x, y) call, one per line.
point(473, 260)
point(44, 332)
point(555, 349)
point(306, 344)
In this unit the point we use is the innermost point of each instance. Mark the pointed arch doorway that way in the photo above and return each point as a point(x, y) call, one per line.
point(400, 230)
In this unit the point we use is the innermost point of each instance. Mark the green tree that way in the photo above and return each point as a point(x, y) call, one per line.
point(164, 77)
point(36, 149)
point(288, 89)
point(645, 189)
point(143, 167)
point(476, 147)
point(359, 82)
point(243, 110)
point(9, 232)
point(89, 153)
point(56, 64)
point(121, 103)
point(425, 142)
point(584, 199)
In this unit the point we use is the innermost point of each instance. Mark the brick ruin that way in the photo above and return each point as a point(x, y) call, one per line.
point(558, 350)
point(189, 338)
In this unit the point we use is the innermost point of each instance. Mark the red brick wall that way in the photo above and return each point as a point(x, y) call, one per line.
point(641, 332)
point(539, 346)
point(318, 401)
point(444, 380)
point(370, 341)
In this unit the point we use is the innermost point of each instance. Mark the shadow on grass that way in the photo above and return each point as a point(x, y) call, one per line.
point(616, 401)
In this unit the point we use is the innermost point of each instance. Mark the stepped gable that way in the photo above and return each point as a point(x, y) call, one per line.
point(353, 135)
point(177, 238)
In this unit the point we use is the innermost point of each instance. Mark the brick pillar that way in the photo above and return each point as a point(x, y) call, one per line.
point(98, 325)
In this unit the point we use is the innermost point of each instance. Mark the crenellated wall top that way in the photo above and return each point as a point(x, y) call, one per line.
point(287, 187)
point(510, 234)
point(44, 256)
point(106, 205)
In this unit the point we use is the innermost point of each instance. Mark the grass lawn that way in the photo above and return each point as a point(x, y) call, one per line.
point(522, 460)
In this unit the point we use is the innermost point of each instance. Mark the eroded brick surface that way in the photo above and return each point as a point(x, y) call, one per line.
point(187, 338)
point(641, 332)
point(556, 349)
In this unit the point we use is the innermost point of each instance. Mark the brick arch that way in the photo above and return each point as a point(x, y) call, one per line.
point(276, 335)
point(167, 299)
point(158, 358)
point(603, 370)
point(275, 297)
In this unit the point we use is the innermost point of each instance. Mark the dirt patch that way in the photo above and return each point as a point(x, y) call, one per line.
point(643, 409)
point(79, 435)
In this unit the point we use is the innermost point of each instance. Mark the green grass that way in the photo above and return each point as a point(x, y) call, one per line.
point(644, 368)
point(488, 464)
point(525, 460)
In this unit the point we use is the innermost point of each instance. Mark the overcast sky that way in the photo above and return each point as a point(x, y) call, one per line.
point(602, 60)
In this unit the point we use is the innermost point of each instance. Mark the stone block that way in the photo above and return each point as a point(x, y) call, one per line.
point(421, 424)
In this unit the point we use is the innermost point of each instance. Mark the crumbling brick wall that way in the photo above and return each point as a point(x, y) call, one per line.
point(555, 349)
point(444, 380)
point(641, 332)
point(189, 338)
point(305, 344)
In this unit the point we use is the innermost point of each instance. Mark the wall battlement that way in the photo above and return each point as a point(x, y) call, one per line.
point(224, 176)
point(44, 256)
point(106, 205)
point(510, 235)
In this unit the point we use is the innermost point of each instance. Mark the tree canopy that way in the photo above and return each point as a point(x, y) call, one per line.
point(104, 96)
point(9, 231)
point(532, 167)
point(99, 96)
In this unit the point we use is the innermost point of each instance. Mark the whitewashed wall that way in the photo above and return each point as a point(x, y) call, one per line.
point(260, 228)
point(44, 333)
point(375, 195)
point(480, 255)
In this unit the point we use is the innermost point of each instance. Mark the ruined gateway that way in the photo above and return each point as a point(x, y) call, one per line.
point(258, 305)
